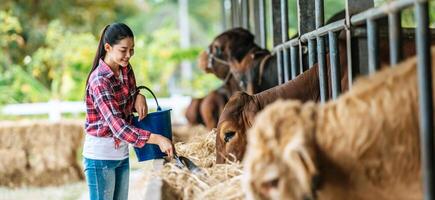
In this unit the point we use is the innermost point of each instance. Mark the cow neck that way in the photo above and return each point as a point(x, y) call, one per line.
point(232, 85)
point(304, 87)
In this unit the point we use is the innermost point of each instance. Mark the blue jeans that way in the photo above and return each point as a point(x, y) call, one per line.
point(107, 179)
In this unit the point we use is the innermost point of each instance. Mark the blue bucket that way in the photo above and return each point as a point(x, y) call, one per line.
point(158, 122)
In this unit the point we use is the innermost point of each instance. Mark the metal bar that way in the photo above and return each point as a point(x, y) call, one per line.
point(234, 13)
point(256, 17)
point(263, 25)
point(373, 45)
point(284, 38)
point(279, 67)
point(340, 24)
point(394, 31)
point(276, 21)
point(334, 58)
point(294, 61)
point(286, 66)
point(223, 15)
point(425, 99)
point(356, 46)
point(306, 23)
point(245, 14)
point(351, 67)
point(382, 11)
point(284, 21)
point(323, 81)
point(312, 58)
point(322, 31)
point(306, 16)
point(319, 11)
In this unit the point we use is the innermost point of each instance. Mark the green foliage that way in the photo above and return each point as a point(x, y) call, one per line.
point(62, 63)
point(47, 47)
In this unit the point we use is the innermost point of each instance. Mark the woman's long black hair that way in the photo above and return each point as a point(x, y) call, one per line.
point(111, 34)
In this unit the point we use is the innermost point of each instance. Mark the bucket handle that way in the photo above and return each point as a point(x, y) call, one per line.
point(144, 87)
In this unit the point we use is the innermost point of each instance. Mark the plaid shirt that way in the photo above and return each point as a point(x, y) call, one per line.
point(109, 106)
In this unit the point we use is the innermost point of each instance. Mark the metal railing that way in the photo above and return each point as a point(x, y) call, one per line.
point(361, 52)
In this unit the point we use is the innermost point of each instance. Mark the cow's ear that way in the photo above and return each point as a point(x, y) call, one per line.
point(300, 157)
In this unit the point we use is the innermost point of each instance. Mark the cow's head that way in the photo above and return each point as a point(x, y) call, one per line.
point(235, 119)
point(229, 46)
point(280, 161)
point(214, 63)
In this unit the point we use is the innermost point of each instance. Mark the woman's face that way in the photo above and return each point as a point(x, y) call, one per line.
point(122, 52)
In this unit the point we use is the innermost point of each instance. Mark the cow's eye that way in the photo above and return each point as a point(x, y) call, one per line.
point(229, 135)
point(271, 184)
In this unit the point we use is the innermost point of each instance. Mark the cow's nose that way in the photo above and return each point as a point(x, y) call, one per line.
point(229, 135)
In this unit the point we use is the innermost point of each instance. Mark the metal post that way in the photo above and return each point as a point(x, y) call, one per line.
point(279, 67)
point(306, 23)
point(284, 21)
point(235, 13)
point(284, 38)
point(394, 32)
point(276, 21)
point(319, 11)
point(294, 62)
point(223, 15)
point(275, 10)
point(286, 64)
point(263, 29)
point(425, 99)
point(373, 45)
point(356, 47)
point(255, 15)
point(245, 14)
point(312, 57)
point(334, 56)
point(323, 81)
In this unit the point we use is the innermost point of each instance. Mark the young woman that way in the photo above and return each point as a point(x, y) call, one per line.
point(111, 97)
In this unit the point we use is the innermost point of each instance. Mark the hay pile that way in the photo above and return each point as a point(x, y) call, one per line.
point(200, 149)
point(216, 181)
point(40, 153)
point(185, 133)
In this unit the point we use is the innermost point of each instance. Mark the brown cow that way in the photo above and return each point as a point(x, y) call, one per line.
point(248, 63)
point(212, 105)
point(365, 145)
point(239, 112)
point(192, 113)
point(206, 110)
point(252, 66)
point(241, 109)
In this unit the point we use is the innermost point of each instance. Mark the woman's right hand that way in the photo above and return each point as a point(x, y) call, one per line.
point(164, 144)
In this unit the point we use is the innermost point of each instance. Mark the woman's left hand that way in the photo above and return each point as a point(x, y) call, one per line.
point(141, 106)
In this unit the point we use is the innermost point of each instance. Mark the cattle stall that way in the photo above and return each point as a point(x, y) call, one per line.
point(362, 28)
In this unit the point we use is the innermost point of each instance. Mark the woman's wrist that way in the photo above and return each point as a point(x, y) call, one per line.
point(153, 139)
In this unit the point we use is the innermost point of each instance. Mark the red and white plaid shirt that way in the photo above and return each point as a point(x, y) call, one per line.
point(109, 106)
